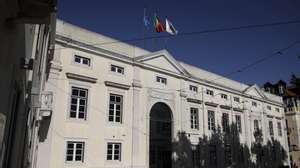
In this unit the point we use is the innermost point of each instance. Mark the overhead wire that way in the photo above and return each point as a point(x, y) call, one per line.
point(237, 28)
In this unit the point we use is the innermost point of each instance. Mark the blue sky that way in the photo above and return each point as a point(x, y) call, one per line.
point(220, 52)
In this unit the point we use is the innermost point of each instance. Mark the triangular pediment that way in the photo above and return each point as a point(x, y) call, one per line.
point(162, 60)
point(254, 91)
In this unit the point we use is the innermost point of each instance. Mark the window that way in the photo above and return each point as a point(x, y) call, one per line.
point(256, 126)
point(194, 118)
point(79, 99)
point(161, 80)
point(196, 156)
point(269, 107)
point(211, 120)
point(236, 99)
point(82, 60)
point(228, 156)
point(238, 123)
point(212, 155)
point(271, 128)
point(193, 88)
point(224, 96)
point(115, 108)
point(75, 151)
point(277, 109)
point(225, 122)
point(117, 69)
point(254, 104)
point(113, 151)
point(210, 92)
point(279, 128)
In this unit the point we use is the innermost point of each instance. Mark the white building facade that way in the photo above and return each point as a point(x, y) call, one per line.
point(107, 93)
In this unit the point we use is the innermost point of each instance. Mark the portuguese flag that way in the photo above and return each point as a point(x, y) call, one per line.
point(159, 27)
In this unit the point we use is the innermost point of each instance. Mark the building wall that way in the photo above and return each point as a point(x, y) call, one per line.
point(140, 92)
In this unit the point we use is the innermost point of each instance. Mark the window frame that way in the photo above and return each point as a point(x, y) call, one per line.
point(209, 92)
point(194, 88)
point(113, 150)
point(224, 96)
point(256, 125)
point(225, 122)
point(238, 121)
point(236, 99)
point(82, 58)
point(279, 127)
point(74, 151)
point(78, 103)
point(115, 104)
point(211, 121)
point(271, 128)
point(194, 118)
point(117, 67)
point(161, 80)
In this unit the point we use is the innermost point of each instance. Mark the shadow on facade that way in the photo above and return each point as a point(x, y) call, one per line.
point(225, 150)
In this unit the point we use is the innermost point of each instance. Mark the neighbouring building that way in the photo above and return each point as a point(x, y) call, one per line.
point(117, 105)
point(27, 30)
point(291, 98)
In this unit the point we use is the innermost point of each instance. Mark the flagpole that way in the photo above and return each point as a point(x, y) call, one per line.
point(144, 30)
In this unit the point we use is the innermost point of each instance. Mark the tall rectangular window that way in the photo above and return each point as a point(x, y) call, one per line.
point(238, 123)
point(115, 108)
point(228, 155)
point(194, 118)
point(82, 60)
point(79, 97)
point(271, 128)
point(117, 69)
point(75, 151)
point(113, 151)
point(161, 80)
point(256, 126)
point(212, 155)
point(211, 120)
point(225, 122)
point(196, 156)
point(279, 128)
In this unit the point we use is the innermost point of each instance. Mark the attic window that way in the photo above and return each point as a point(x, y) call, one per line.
point(161, 80)
point(82, 60)
point(254, 104)
point(236, 99)
point(269, 107)
point(224, 96)
point(209, 92)
point(193, 88)
point(117, 69)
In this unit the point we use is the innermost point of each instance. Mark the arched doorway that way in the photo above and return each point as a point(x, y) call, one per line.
point(160, 136)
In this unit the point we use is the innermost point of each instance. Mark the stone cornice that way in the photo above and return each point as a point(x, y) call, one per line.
point(117, 85)
point(81, 77)
point(191, 100)
point(211, 104)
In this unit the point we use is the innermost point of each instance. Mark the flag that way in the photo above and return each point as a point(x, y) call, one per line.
point(170, 28)
point(146, 19)
point(159, 27)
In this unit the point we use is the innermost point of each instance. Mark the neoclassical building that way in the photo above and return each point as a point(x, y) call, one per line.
point(117, 105)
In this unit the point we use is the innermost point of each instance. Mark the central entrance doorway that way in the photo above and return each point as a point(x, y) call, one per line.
point(160, 136)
